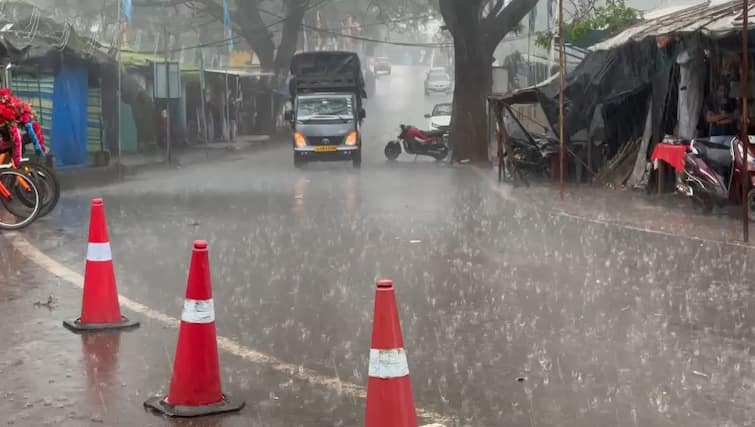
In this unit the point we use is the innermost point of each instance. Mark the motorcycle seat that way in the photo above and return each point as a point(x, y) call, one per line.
point(717, 156)
point(434, 133)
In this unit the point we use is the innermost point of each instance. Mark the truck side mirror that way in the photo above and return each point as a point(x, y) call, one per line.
point(362, 113)
point(288, 116)
point(427, 116)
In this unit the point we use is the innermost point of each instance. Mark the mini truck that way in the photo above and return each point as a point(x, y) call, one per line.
point(327, 93)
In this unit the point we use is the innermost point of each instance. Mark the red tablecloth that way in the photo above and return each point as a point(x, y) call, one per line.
point(672, 154)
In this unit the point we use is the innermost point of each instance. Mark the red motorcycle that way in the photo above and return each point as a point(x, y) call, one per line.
point(713, 172)
point(433, 143)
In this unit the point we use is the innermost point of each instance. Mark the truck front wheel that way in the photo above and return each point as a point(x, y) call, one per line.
point(357, 159)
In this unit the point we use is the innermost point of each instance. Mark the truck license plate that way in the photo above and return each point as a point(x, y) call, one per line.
point(326, 149)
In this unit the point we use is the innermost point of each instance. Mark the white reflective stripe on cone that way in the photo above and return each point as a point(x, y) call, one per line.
point(198, 311)
point(99, 252)
point(388, 363)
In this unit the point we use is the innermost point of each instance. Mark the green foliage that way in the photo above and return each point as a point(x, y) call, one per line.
point(602, 22)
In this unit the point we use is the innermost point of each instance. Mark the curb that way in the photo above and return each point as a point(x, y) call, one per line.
point(93, 177)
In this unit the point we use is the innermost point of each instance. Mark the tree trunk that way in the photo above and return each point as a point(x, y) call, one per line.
point(254, 30)
point(286, 50)
point(473, 83)
point(475, 39)
point(290, 35)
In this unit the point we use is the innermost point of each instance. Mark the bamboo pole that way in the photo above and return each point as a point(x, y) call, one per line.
point(562, 79)
point(120, 82)
point(745, 122)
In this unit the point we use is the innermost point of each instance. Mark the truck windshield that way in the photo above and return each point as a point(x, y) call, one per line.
point(325, 108)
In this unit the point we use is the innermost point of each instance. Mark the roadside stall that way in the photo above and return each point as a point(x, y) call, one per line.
point(676, 73)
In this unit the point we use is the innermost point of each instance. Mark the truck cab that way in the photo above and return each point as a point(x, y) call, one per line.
point(327, 90)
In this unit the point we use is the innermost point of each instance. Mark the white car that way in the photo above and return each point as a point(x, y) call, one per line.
point(437, 81)
point(440, 118)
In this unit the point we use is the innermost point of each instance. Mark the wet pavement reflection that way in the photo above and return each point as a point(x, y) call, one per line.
point(511, 315)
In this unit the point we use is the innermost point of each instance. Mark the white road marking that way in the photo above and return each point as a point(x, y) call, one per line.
point(22, 245)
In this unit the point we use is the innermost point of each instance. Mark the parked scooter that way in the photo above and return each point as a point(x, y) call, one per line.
point(533, 158)
point(713, 173)
point(436, 147)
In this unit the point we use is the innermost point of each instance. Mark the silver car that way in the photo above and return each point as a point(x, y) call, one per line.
point(437, 81)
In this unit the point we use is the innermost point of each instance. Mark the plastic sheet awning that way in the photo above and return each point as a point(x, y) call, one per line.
point(714, 19)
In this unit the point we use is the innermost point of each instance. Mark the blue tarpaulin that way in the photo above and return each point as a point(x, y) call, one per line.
point(127, 8)
point(69, 117)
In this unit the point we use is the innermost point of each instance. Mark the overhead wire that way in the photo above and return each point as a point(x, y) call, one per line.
point(280, 20)
point(367, 39)
point(222, 42)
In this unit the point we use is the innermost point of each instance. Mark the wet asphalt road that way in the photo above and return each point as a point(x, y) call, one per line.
point(510, 316)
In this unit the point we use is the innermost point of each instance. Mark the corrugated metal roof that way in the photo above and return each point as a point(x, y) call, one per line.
point(715, 18)
point(574, 56)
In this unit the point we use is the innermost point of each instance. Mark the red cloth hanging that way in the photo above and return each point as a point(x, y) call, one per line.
point(672, 154)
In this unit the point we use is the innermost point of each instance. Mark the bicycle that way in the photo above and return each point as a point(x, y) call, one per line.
point(45, 179)
point(25, 210)
point(47, 182)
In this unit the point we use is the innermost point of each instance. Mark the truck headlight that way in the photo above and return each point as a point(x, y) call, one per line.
point(351, 138)
point(300, 140)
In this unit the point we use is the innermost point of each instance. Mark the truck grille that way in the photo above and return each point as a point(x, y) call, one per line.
point(327, 140)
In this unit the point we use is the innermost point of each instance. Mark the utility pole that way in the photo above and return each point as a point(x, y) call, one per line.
point(745, 122)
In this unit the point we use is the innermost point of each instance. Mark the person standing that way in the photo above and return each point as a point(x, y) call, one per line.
point(721, 114)
point(216, 109)
point(233, 116)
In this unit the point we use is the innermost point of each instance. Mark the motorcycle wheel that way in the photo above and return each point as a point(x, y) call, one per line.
point(440, 156)
point(751, 204)
point(392, 150)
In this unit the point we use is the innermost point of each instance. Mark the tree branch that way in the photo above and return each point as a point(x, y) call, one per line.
point(452, 13)
point(496, 9)
point(246, 21)
point(290, 34)
point(496, 27)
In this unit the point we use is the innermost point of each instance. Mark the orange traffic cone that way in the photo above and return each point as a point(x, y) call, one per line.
point(195, 386)
point(389, 389)
point(99, 308)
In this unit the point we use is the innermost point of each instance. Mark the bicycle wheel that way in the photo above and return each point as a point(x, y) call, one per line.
point(17, 214)
point(47, 184)
point(19, 193)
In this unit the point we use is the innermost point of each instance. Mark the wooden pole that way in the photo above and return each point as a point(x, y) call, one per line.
point(745, 122)
point(562, 79)
point(203, 99)
point(119, 77)
point(168, 154)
